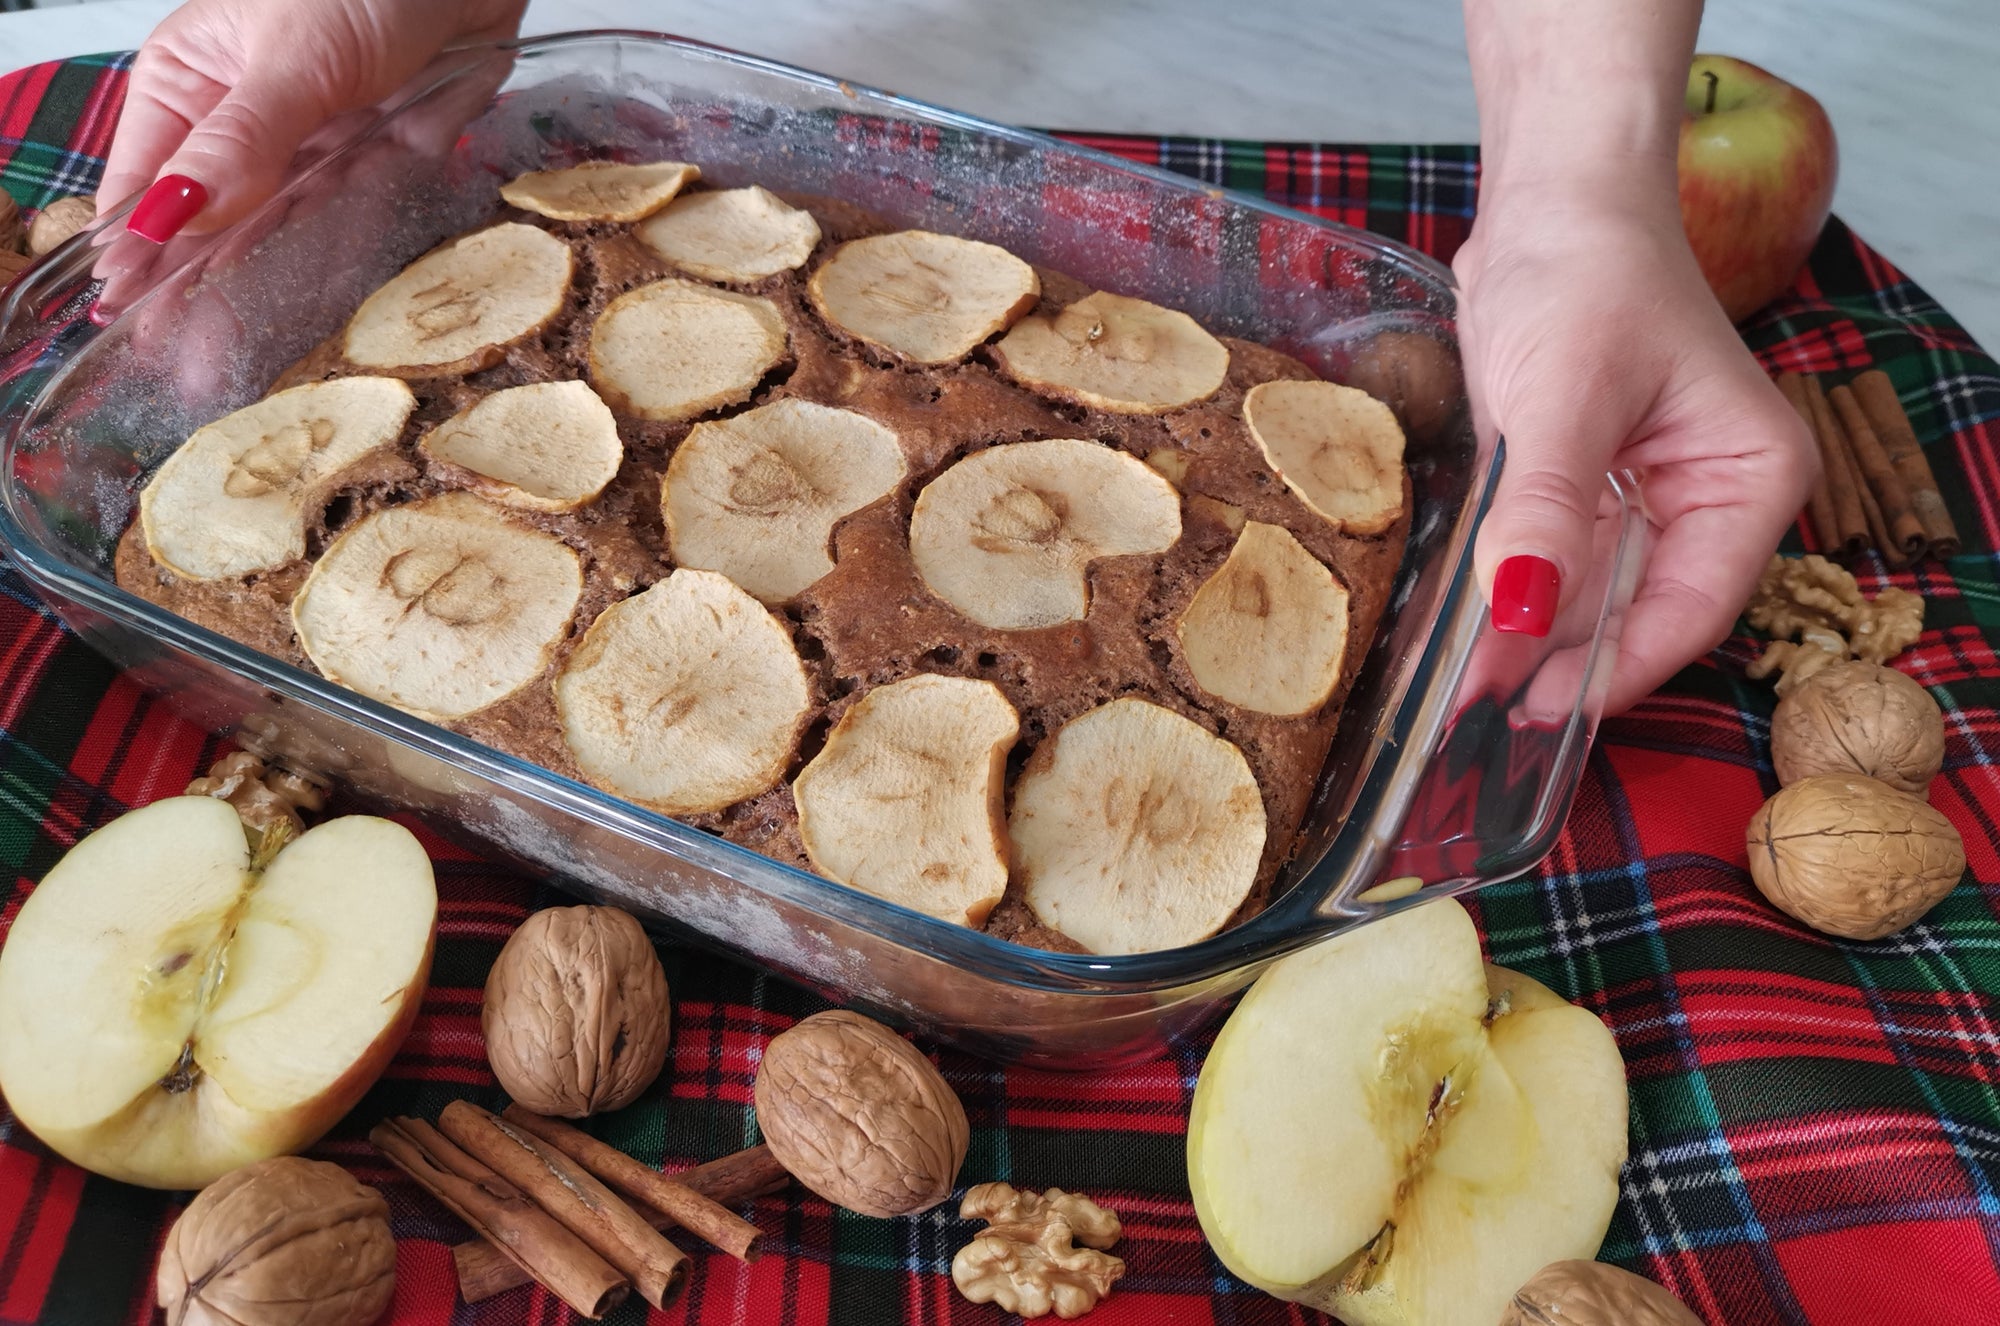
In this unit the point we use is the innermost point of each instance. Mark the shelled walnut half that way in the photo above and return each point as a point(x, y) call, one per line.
point(262, 796)
point(1810, 601)
point(1026, 1260)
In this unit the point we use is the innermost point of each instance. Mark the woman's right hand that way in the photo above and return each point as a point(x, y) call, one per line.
point(224, 92)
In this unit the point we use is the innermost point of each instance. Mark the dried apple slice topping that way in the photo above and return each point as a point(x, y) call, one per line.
point(1117, 354)
point(737, 235)
point(1135, 830)
point(548, 446)
point(1339, 449)
point(457, 308)
point(673, 349)
point(1268, 630)
point(600, 190)
point(756, 497)
point(233, 499)
point(686, 698)
point(440, 608)
point(1008, 534)
point(929, 298)
point(907, 799)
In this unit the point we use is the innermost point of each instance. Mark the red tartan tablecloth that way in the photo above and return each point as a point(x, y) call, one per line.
point(1815, 1125)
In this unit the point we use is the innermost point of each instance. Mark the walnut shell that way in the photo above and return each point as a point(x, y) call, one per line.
point(859, 1116)
point(1859, 718)
point(1593, 1294)
point(576, 1012)
point(1416, 376)
point(1853, 857)
point(58, 221)
point(13, 234)
point(282, 1242)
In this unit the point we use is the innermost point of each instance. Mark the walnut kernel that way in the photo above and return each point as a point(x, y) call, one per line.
point(282, 1242)
point(1859, 718)
point(576, 1012)
point(1810, 599)
point(1593, 1294)
point(262, 797)
point(1798, 662)
point(1026, 1259)
point(859, 1116)
point(1853, 857)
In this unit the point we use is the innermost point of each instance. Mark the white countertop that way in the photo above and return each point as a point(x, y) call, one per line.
point(1910, 87)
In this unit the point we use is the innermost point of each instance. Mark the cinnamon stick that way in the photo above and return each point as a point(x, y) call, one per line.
point(1884, 408)
point(483, 1270)
point(713, 1222)
point(1905, 529)
point(1843, 484)
point(518, 1234)
point(566, 1191)
point(1819, 508)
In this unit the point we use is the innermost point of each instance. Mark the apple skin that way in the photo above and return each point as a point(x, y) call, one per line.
point(1756, 180)
point(101, 995)
point(111, 1150)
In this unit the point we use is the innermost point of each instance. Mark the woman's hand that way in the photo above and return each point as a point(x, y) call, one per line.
point(225, 91)
point(1592, 343)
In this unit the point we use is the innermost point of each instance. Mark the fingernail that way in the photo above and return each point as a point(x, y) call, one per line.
point(172, 202)
point(1525, 589)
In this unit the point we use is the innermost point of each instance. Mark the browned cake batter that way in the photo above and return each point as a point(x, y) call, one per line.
point(871, 620)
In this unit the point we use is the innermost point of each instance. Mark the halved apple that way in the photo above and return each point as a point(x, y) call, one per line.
point(1391, 1132)
point(174, 1004)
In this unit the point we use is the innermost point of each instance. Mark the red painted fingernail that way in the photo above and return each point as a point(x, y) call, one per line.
point(1525, 590)
point(172, 202)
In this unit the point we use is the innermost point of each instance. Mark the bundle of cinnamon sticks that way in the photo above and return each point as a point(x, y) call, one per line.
point(539, 1194)
point(1876, 488)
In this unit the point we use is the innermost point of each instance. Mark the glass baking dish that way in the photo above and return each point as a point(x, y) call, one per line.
point(1460, 749)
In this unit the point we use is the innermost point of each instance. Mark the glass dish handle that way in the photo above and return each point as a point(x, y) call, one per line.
point(1509, 737)
point(48, 307)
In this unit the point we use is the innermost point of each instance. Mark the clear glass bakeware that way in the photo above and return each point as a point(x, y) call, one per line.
point(1460, 748)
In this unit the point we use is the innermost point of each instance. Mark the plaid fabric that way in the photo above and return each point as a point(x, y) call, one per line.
point(1815, 1124)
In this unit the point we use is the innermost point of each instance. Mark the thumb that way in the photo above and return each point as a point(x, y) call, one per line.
point(1535, 543)
point(232, 160)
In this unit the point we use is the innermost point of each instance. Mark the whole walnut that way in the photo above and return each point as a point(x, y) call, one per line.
point(1853, 857)
point(1415, 375)
point(13, 234)
point(58, 221)
point(282, 1242)
point(856, 1114)
point(1859, 718)
point(1593, 1294)
point(576, 1012)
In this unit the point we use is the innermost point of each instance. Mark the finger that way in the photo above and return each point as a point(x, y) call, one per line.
point(162, 103)
point(233, 158)
point(1535, 541)
point(1700, 575)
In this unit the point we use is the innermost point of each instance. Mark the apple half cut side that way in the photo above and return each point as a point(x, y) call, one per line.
point(172, 1006)
point(1390, 1131)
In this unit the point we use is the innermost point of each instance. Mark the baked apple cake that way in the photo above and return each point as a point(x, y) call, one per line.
point(884, 553)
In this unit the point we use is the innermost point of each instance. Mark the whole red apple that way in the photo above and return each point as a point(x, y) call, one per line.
point(1757, 167)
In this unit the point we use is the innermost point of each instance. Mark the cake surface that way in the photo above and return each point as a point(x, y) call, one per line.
point(871, 618)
